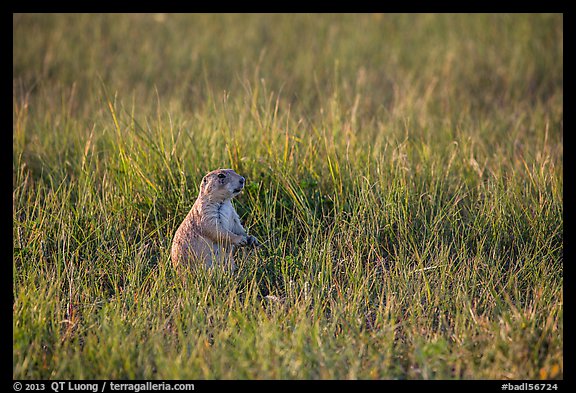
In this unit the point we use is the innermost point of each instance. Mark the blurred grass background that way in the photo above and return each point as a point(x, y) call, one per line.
point(405, 177)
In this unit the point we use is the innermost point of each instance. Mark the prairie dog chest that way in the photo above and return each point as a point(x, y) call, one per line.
point(227, 214)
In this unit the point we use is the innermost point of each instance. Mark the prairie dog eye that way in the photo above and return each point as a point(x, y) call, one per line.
point(221, 175)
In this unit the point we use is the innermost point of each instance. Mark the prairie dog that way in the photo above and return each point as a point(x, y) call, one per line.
point(212, 228)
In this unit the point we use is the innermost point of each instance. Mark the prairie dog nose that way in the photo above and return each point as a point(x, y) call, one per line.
point(242, 180)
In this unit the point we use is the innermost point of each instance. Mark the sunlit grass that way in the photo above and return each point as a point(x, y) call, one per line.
point(404, 177)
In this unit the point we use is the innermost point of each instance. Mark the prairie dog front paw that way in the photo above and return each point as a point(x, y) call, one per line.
point(252, 242)
point(243, 241)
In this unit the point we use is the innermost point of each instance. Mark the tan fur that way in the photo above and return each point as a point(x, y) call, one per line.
point(212, 228)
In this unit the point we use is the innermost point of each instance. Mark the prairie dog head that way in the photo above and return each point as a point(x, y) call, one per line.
point(221, 184)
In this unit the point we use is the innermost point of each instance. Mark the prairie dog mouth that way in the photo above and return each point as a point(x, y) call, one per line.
point(237, 190)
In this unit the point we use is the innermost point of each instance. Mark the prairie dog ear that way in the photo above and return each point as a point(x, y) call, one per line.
point(204, 184)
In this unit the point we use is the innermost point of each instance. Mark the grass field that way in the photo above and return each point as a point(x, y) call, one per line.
point(404, 176)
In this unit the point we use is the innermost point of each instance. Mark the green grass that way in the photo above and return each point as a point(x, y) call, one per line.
point(404, 176)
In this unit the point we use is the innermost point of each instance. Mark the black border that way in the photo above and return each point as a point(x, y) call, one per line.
point(419, 6)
